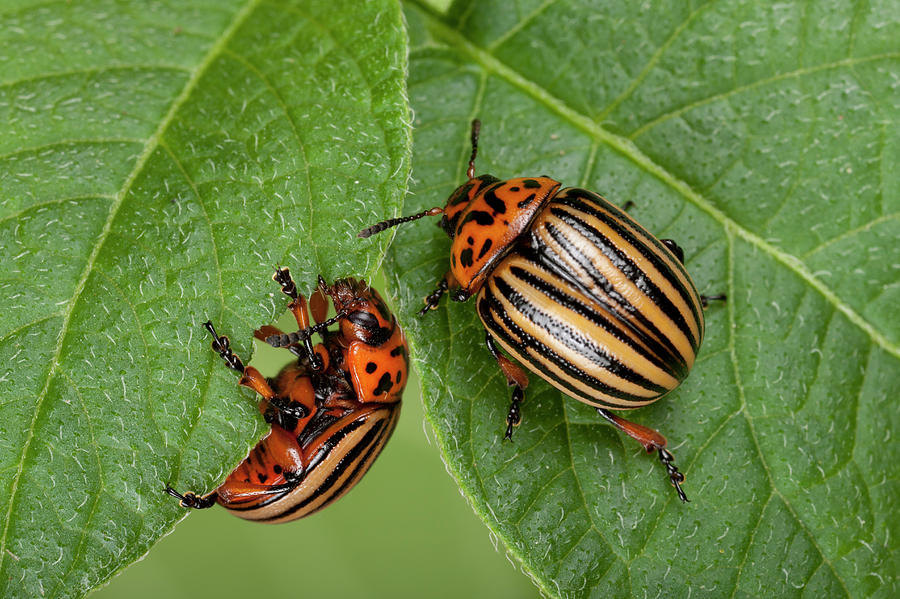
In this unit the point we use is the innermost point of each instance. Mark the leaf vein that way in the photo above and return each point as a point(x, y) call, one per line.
point(93, 71)
point(627, 148)
point(654, 59)
point(847, 62)
point(748, 418)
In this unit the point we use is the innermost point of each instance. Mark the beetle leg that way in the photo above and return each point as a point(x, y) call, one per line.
point(674, 248)
point(515, 377)
point(222, 346)
point(253, 379)
point(705, 299)
point(514, 416)
point(286, 407)
point(651, 440)
point(297, 306)
point(433, 299)
point(250, 376)
point(190, 500)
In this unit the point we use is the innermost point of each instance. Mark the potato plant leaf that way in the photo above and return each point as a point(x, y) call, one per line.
point(156, 162)
point(764, 139)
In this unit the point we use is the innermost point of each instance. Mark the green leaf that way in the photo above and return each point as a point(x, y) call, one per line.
point(763, 138)
point(156, 162)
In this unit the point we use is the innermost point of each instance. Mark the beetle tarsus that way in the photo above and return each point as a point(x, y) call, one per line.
point(514, 416)
point(222, 346)
point(705, 299)
point(652, 441)
point(287, 407)
point(434, 298)
point(675, 476)
point(283, 277)
point(191, 500)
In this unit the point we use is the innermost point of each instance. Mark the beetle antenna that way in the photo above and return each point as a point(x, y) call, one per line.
point(476, 128)
point(393, 222)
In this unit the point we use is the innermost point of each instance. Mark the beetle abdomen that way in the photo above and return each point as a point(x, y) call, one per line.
point(344, 453)
point(592, 302)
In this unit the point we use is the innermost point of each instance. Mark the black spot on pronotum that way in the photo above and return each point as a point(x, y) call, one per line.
point(526, 201)
point(384, 384)
point(364, 320)
point(496, 204)
point(380, 306)
point(371, 367)
point(531, 184)
point(485, 248)
point(462, 194)
point(465, 257)
point(479, 216)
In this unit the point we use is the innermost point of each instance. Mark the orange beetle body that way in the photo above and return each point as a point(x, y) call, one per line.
point(331, 412)
point(485, 217)
point(574, 289)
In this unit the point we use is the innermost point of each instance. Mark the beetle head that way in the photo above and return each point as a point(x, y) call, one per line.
point(367, 317)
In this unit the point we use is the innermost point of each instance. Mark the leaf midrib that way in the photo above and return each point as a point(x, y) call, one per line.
point(628, 149)
point(150, 146)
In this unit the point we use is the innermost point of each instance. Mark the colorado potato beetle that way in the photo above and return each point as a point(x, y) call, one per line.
point(573, 288)
point(331, 411)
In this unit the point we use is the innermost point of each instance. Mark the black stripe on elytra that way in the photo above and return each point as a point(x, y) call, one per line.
point(364, 445)
point(274, 493)
point(664, 357)
point(597, 206)
point(314, 428)
point(575, 339)
point(660, 344)
point(361, 467)
point(627, 266)
point(494, 312)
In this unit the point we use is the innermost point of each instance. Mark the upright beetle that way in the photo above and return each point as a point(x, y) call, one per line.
point(331, 411)
point(571, 286)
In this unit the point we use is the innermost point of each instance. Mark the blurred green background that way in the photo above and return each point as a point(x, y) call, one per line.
point(404, 531)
